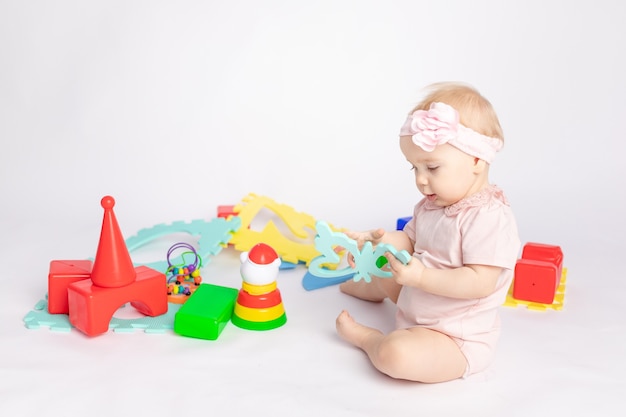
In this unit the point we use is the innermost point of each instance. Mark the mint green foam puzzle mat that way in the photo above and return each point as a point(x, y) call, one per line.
point(39, 317)
point(213, 236)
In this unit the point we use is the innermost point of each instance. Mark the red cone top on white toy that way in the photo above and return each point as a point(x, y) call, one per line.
point(260, 265)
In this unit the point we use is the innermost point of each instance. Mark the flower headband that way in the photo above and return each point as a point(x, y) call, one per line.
point(440, 124)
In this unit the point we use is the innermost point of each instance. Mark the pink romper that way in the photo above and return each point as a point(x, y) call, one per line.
point(480, 230)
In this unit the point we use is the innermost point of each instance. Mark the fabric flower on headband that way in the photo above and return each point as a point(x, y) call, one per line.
point(440, 124)
point(432, 127)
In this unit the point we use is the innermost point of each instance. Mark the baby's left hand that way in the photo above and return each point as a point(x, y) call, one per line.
point(409, 274)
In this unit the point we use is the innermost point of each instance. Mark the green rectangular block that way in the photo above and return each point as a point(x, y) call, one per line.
point(207, 311)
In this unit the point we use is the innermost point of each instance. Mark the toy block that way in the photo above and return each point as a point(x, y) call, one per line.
point(402, 221)
point(206, 312)
point(226, 211)
point(546, 253)
point(535, 281)
point(61, 274)
point(91, 307)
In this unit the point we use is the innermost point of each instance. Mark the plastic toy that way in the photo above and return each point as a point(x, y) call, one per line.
point(313, 282)
point(226, 211)
point(61, 274)
point(206, 312)
point(557, 303)
point(368, 261)
point(184, 277)
point(112, 282)
point(259, 304)
point(538, 273)
point(402, 221)
point(300, 224)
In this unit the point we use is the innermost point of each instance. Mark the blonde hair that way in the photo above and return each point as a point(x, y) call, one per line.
point(475, 111)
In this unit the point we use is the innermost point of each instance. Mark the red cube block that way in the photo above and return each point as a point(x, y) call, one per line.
point(538, 273)
point(535, 281)
point(61, 274)
point(546, 253)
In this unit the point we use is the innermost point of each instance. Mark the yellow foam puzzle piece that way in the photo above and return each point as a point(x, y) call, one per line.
point(302, 226)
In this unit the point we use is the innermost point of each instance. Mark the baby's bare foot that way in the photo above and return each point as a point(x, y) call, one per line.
point(351, 331)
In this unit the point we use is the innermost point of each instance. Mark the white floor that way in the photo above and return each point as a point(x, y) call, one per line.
point(550, 362)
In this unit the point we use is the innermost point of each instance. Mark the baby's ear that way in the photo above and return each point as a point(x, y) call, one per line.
point(480, 166)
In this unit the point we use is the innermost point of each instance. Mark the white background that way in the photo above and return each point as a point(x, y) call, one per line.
point(177, 107)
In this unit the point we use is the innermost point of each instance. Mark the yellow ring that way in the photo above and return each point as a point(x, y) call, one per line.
point(259, 289)
point(259, 314)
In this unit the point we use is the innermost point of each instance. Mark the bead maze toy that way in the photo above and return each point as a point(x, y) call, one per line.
point(94, 291)
point(259, 304)
point(368, 261)
point(183, 277)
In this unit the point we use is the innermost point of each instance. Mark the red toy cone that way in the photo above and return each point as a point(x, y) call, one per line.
point(112, 266)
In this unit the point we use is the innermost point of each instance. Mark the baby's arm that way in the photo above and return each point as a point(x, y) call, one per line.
point(468, 281)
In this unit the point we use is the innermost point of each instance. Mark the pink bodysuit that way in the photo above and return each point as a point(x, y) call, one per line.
point(480, 229)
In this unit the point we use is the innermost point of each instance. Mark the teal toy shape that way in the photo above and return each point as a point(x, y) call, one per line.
point(213, 236)
point(39, 317)
point(366, 260)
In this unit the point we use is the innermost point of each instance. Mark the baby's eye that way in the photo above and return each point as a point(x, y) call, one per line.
point(433, 168)
point(413, 168)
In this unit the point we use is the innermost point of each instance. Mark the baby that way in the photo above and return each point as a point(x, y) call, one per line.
point(464, 241)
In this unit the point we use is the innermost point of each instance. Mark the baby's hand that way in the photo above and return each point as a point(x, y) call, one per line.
point(409, 274)
point(374, 236)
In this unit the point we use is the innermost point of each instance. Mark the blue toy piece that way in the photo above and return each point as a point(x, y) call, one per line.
point(367, 259)
point(311, 282)
point(402, 221)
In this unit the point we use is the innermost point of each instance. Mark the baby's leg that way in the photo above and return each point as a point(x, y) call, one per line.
point(376, 290)
point(415, 354)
